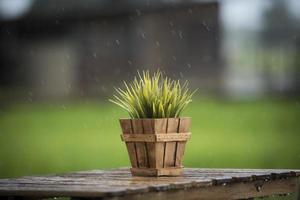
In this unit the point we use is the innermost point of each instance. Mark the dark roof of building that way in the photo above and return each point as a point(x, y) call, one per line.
point(65, 9)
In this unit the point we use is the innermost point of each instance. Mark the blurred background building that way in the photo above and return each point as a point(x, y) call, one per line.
point(62, 49)
point(57, 49)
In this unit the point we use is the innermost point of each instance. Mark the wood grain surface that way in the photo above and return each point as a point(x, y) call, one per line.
point(119, 184)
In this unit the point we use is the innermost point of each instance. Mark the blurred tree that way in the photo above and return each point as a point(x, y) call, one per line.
point(281, 47)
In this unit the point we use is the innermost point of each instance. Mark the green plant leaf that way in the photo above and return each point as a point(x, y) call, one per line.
point(153, 96)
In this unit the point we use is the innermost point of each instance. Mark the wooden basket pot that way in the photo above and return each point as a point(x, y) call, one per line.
point(156, 146)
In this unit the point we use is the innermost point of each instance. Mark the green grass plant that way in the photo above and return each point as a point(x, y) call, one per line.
point(153, 96)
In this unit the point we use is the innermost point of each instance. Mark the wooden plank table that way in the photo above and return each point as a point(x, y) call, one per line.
point(119, 184)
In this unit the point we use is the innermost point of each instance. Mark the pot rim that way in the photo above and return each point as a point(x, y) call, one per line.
point(155, 118)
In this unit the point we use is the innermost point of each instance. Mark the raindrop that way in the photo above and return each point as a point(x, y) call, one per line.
point(57, 22)
point(171, 23)
point(190, 11)
point(95, 55)
point(180, 34)
point(157, 43)
point(181, 76)
point(258, 188)
point(174, 58)
point(118, 42)
point(103, 88)
point(143, 35)
point(206, 26)
point(129, 62)
point(138, 12)
point(63, 107)
point(189, 65)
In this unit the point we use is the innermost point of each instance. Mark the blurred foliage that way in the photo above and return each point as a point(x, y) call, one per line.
point(45, 138)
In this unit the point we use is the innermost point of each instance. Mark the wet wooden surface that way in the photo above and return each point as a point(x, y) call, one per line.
point(119, 184)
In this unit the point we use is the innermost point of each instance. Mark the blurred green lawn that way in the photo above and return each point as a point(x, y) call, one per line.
point(45, 138)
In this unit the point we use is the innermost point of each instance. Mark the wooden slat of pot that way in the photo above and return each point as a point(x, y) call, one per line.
point(148, 125)
point(169, 137)
point(141, 148)
point(127, 129)
point(170, 147)
point(184, 126)
point(160, 127)
point(170, 171)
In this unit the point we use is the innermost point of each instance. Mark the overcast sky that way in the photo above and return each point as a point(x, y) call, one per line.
point(247, 14)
